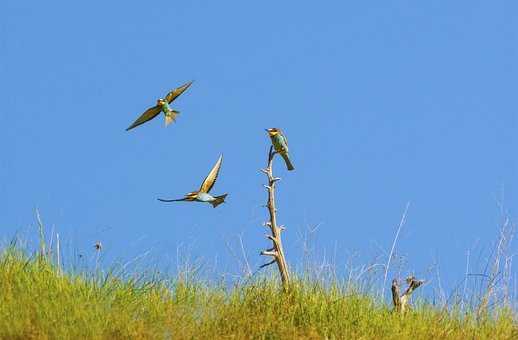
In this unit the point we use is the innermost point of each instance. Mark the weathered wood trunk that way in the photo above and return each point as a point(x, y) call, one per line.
point(276, 251)
point(402, 302)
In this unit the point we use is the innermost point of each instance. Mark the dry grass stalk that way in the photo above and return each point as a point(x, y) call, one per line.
point(498, 278)
point(41, 234)
point(389, 259)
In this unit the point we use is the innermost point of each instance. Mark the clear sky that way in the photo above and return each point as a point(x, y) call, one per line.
point(383, 103)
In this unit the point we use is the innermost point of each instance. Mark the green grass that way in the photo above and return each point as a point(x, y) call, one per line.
point(38, 302)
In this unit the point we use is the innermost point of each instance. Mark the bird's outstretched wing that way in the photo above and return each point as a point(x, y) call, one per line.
point(176, 92)
point(209, 181)
point(150, 113)
point(177, 200)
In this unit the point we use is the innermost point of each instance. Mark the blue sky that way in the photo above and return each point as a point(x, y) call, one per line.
point(383, 103)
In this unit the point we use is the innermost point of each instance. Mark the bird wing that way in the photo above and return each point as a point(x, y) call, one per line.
point(173, 94)
point(150, 113)
point(174, 200)
point(283, 136)
point(209, 181)
point(280, 141)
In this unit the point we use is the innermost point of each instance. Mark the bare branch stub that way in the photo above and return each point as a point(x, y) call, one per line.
point(396, 300)
point(401, 302)
point(276, 251)
point(267, 264)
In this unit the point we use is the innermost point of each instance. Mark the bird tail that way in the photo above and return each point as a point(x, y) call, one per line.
point(288, 162)
point(170, 117)
point(218, 200)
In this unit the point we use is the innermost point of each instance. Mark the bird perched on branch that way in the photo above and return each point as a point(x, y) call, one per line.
point(202, 195)
point(162, 105)
point(280, 144)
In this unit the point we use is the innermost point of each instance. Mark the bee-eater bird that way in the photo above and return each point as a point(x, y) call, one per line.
point(162, 105)
point(280, 144)
point(202, 195)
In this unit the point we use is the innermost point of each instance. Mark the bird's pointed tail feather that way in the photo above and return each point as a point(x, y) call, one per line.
point(288, 162)
point(218, 200)
point(171, 117)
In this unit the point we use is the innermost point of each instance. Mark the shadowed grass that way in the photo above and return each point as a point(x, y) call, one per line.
point(36, 301)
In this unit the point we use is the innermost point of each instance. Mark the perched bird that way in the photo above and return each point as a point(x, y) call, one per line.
point(280, 144)
point(162, 105)
point(202, 195)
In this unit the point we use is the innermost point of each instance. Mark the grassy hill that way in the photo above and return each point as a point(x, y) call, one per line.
point(38, 301)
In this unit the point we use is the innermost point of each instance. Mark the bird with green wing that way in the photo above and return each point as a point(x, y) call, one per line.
point(162, 105)
point(202, 195)
point(280, 144)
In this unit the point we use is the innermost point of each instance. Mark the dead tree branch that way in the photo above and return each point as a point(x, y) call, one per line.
point(402, 302)
point(276, 251)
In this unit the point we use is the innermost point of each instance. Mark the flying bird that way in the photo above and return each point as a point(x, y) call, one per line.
point(162, 105)
point(202, 195)
point(280, 144)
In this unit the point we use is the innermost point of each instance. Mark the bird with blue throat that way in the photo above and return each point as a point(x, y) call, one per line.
point(202, 195)
point(162, 105)
point(280, 144)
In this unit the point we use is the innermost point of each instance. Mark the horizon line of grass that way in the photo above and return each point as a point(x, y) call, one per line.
point(40, 301)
